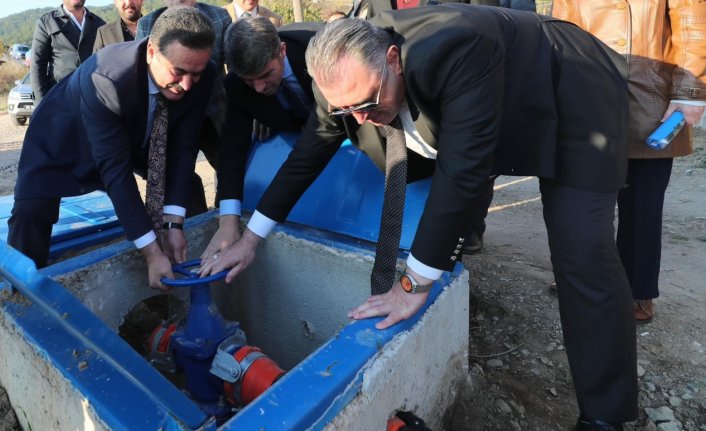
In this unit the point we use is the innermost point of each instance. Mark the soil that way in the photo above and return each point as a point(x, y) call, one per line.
point(518, 372)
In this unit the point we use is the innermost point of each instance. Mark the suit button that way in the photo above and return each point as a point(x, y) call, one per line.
point(621, 42)
point(457, 251)
point(621, 6)
point(460, 240)
point(453, 258)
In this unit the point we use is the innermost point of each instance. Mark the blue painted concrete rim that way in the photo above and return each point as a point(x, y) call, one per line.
point(320, 386)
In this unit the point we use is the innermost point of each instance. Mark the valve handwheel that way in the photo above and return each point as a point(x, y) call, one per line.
point(191, 277)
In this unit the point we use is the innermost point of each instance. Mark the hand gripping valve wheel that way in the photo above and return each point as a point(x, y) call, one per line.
point(222, 372)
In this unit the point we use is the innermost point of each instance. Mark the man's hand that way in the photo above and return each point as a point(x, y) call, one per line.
point(692, 113)
point(228, 233)
point(396, 304)
point(158, 266)
point(238, 257)
point(174, 241)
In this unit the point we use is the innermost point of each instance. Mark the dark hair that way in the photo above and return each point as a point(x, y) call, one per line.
point(250, 44)
point(185, 25)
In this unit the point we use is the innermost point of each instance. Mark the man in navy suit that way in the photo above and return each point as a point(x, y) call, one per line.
point(481, 91)
point(264, 62)
point(93, 130)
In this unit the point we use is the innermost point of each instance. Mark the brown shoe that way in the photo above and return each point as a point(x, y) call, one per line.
point(644, 310)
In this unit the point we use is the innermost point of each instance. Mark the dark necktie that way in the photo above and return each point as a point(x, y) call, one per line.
point(298, 105)
point(383, 275)
point(156, 163)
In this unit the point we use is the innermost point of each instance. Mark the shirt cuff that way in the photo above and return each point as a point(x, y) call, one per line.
point(175, 210)
point(422, 269)
point(230, 207)
point(261, 225)
point(690, 102)
point(145, 239)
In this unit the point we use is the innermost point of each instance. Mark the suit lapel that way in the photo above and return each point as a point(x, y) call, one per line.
point(423, 125)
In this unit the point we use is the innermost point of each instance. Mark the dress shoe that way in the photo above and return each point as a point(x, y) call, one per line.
point(644, 310)
point(584, 424)
point(473, 244)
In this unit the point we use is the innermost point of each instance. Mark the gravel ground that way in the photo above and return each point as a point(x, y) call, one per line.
point(11, 137)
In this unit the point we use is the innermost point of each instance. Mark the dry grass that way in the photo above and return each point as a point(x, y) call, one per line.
point(10, 71)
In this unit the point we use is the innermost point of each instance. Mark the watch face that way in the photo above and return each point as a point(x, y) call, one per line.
point(406, 283)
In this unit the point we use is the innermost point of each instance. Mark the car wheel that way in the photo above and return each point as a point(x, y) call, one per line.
point(18, 121)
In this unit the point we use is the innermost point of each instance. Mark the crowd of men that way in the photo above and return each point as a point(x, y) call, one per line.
point(459, 93)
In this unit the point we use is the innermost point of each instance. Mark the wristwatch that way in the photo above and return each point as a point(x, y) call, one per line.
point(410, 285)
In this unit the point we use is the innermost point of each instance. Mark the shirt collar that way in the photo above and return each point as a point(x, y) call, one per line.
point(73, 18)
point(239, 11)
point(152, 88)
point(287, 71)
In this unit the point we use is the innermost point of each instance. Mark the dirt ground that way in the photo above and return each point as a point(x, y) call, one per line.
point(519, 377)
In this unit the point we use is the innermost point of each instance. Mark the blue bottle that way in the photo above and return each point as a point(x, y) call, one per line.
point(663, 135)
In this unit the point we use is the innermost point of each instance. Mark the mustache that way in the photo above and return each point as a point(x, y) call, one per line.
point(177, 87)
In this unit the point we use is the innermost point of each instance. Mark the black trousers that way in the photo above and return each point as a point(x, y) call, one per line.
point(640, 205)
point(30, 227)
point(595, 302)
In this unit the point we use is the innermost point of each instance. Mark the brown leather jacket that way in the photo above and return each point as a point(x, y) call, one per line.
point(666, 52)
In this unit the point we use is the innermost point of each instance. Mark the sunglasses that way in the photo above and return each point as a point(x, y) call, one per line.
point(363, 107)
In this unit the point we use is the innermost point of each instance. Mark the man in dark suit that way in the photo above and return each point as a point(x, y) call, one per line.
point(209, 137)
point(63, 39)
point(95, 128)
point(483, 91)
point(122, 29)
point(264, 63)
point(474, 235)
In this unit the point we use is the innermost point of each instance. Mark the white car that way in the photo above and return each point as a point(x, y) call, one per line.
point(18, 51)
point(20, 102)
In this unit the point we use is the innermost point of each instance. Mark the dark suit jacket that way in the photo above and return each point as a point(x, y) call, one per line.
point(109, 34)
point(244, 105)
point(59, 47)
point(89, 134)
point(497, 92)
point(377, 6)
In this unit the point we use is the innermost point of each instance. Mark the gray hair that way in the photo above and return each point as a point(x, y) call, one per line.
point(341, 39)
point(185, 25)
point(250, 44)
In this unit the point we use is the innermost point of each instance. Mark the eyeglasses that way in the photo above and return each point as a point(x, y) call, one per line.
point(363, 107)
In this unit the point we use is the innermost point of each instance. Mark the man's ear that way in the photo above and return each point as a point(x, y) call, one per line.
point(393, 59)
point(283, 50)
point(150, 51)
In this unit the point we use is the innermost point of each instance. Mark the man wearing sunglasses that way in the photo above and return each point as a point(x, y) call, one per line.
point(483, 91)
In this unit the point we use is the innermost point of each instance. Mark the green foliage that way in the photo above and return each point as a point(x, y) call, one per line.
point(312, 12)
